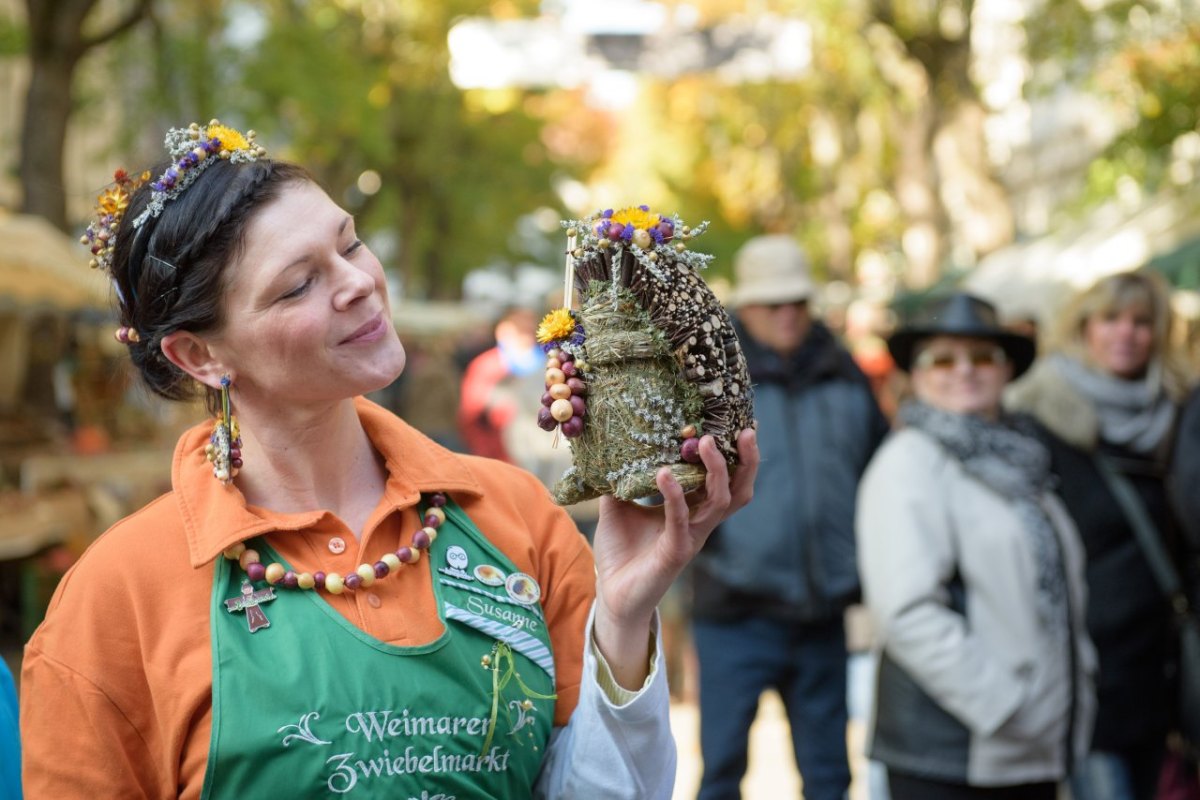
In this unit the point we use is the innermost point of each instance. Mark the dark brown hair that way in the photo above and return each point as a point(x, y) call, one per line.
point(170, 273)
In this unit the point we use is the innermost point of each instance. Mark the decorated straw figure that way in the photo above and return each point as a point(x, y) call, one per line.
point(647, 365)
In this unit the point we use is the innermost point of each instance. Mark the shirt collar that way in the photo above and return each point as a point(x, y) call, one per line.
point(215, 516)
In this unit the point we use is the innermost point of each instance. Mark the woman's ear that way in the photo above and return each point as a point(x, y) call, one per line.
point(192, 354)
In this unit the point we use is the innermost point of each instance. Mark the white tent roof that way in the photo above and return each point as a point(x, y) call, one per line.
point(1033, 278)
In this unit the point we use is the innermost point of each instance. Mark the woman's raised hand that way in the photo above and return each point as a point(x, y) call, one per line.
point(641, 550)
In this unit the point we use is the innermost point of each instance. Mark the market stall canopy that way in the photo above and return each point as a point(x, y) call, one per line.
point(42, 267)
point(1033, 278)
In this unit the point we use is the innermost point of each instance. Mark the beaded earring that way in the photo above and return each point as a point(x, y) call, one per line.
point(224, 448)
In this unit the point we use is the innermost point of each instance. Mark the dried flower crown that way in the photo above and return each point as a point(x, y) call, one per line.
point(193, 149)
point(101, 233)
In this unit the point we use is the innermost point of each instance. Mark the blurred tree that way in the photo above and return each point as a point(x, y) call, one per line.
point(878, 147)
point(1143, 57)
point(61, 32)
point(360, 93)
point(944, 182)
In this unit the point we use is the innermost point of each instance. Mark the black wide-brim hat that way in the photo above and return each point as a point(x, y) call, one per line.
point(962, 314)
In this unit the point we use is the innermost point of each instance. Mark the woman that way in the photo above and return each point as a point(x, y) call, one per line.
point(973, 575)
point(1108, 392)
point(273, 625)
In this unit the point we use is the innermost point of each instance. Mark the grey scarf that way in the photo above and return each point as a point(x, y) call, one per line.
point(1136, 414)
point(1008, 457)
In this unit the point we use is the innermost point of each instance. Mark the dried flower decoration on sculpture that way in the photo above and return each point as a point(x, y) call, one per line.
point(647, 364)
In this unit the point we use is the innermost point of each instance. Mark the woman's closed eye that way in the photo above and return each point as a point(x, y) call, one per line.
point(300, 290)
point(353, 248)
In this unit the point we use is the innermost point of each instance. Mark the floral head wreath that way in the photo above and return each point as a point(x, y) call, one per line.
point(191, 149)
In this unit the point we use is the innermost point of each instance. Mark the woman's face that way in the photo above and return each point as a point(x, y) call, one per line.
point(961, 375)
point(1120, 342)
point(307, 312)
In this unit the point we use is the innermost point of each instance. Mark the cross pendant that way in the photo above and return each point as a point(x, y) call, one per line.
point(249, 601)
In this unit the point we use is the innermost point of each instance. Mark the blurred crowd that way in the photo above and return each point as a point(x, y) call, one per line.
point(1008, 506)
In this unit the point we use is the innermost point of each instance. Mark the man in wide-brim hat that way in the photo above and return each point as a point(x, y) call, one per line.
point(770, 589)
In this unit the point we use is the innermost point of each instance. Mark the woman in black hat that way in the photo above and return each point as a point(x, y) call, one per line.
point(973, 574)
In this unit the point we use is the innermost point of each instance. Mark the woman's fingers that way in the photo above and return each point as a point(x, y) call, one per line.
point(742, 486)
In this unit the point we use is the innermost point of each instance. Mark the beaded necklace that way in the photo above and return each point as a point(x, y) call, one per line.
point(278, 575)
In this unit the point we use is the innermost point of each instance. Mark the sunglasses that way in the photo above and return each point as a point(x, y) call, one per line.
point(978, 357)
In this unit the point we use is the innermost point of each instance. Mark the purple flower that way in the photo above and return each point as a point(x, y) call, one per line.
point(606, 213)
point(627, 233)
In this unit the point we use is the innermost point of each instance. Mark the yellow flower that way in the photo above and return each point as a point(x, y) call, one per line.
point(555, 326)
point(637, 217)
point(229, 138)
point(112, 200)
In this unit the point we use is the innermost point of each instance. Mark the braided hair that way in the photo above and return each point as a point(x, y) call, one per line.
point(170, 273)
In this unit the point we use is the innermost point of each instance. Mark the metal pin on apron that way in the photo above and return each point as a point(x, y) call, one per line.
point(249, 601)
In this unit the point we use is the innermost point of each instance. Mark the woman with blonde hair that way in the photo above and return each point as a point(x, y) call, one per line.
point(1108, 393)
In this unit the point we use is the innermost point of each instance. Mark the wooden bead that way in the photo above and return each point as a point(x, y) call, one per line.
point(334, 583)
point(392, 560)
point(367, 573)
point(235, 552)
point(247, 558)
point(275, 572)
point(305, 580)
point(438, 514)
point(560, 391)
point(431, 533)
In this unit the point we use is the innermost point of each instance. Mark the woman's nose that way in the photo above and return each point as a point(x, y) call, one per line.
point(354, 283)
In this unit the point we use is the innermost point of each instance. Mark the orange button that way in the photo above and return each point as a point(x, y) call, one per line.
point(337, 545)
point(374, 600)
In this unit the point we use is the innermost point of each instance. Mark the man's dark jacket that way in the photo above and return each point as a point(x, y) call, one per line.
point(790, 553)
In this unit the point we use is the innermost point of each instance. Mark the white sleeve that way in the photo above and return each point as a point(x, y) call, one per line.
point(616, 744)
point(906, 556)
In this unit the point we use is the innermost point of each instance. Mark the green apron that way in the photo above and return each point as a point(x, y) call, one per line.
point(311, 706)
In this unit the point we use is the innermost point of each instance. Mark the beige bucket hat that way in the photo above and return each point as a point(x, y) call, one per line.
point(771, 270)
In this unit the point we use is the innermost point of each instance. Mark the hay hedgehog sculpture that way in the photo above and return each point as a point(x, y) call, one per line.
point(647, 365)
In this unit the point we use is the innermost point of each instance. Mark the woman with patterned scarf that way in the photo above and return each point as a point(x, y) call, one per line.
point(1108, 392)
point(973, 574)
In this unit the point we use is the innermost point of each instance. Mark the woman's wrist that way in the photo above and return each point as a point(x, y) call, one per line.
point(625, 644)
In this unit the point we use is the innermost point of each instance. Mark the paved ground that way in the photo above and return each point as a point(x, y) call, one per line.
point(772, 773)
